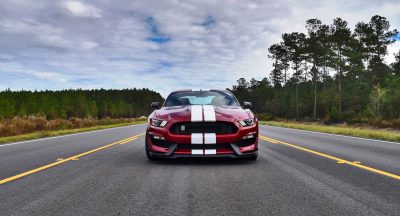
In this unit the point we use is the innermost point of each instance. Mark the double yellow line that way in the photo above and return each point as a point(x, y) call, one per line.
point(75, 157)
point(339, 160)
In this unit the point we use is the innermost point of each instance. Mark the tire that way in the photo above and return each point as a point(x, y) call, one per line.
point(148, 154)
point(252, 158)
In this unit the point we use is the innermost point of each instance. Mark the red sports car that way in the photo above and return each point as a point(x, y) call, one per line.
point(202, 123)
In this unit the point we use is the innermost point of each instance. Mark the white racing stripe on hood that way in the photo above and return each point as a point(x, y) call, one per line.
point(196, 113)
point(209, 113)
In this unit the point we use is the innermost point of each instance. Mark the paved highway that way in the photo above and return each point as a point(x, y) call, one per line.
point(106, 173)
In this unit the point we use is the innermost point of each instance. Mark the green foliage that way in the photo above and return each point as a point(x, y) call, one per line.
point(335, 75)
point(126, 103)
point(396, 65)
point(376, 101)
point(333, 115)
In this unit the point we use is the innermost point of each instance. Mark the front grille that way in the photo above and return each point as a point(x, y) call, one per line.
point(203, 127)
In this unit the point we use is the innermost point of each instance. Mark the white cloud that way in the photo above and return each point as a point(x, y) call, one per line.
point(86, 45)
point(20, 77)
point(82, 9)
point(49, 76)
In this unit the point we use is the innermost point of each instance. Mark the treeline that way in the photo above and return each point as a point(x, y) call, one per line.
point(126, 103)
point(331, 73)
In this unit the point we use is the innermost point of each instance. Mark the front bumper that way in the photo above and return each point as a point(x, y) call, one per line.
point(226, 145)
point(235, 154)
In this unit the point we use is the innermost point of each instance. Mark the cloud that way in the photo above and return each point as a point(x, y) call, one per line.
point(86, 45)
point(209, 21)
point(50, 76)
point(81, 9)
point(162, 45)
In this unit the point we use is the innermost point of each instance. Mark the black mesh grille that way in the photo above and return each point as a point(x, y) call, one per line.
point(203, 127)
point(161, 143)
point(245, 142)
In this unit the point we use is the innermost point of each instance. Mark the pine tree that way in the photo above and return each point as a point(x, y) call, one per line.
point(314, 50)
point(277, 53)
point(341, 36)
point(295, 46)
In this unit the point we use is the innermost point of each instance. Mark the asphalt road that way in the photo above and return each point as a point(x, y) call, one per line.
point(297, 173)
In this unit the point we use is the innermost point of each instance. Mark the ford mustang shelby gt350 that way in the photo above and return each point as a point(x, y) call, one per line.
point(201, 123)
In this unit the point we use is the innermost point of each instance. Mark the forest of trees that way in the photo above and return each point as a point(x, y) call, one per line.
point(126, 103)
point(332, 73)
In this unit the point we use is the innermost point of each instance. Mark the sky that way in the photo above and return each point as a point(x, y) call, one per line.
point(160, 45)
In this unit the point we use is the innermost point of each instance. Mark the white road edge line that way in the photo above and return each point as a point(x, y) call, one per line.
point(334, 134)
point(67, 135)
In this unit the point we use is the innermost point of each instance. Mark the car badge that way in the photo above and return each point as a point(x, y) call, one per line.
point(183, 127)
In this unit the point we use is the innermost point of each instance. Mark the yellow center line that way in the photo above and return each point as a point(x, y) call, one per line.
point(129, 140)
point(60, 161)
point(268, 139)
point(339, 160)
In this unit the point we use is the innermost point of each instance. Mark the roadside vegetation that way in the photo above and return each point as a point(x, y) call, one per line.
point(35, 127)
point(342, 129)
point(332, 74)
point(36, 114)
point(66, 104)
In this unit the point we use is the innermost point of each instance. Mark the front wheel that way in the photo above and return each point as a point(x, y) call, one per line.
point(252, 158)
point(148, 154)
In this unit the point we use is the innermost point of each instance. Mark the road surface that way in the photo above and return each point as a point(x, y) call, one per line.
point(297, 173)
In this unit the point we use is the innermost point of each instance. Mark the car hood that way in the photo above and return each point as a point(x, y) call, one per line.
point(184, 113)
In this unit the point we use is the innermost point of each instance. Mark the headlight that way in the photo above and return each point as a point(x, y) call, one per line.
point(247, 122)
point(158, 123)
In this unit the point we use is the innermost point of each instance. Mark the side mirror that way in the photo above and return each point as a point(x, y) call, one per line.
point(155, 105)
point(246, 105)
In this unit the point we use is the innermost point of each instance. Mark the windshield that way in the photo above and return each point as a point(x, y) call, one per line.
point(217, 98)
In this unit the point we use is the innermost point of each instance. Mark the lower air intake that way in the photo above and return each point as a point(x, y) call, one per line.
point(203, 127)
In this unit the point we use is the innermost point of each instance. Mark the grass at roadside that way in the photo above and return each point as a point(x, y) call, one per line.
point(50, 133)
point(381, 134)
